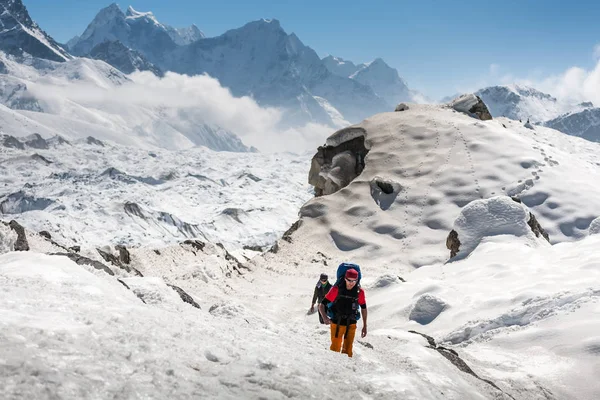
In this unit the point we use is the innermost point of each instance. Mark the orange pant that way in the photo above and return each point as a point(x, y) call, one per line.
point(344, 340)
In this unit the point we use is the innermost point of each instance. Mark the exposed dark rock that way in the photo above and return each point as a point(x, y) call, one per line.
point(537, 228)
point(401, 107)
point(124, 255)
point(75, 249)
point(533, 223)
point(481, 110)
point(343, 162)
point(454, 358)
point(12, 142)
point(472, 105)
point(37, 142)
point(184, 296)
point(93, 140)
point(453, 243)
point(253, 248)
point(238, 265)
point(157, 252)
point(274, 249)
point(45, 234)
point(127, 286)
point(233, 213)
point(86, 261)
point(111, 258)
point(196, 244)
point(287, 236)
point(21, 244)
point(124, 284)
point(366, 344)
point(250, 176)
point(187, 229)
point(134, 209)
point(41, 159)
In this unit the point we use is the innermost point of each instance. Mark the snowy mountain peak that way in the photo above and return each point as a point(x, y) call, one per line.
point(20, 34)
point(521, 102)
point(108, 13)
point(148, 16)
point(339, 66)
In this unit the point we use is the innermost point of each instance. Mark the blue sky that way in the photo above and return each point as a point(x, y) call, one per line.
point(438, 47)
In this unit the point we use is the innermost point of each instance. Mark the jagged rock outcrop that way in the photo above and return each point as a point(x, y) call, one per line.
point(81, 260)
point(338, 162)
point(116, 261)
point(12, 142)
point(21, 244)
point(472, 105)
point(454, 358)
point(124, 255)
point(533, 223)
point(184, 296)
point(36, 141)
point(93, 140)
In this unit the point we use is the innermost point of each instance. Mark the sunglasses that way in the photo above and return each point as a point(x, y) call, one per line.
point(351, 280)
point(324, 280)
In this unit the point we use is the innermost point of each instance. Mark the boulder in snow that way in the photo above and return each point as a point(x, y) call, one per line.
point(401, 107)
point(338, 162)
point(495, 216)
point(472, 105)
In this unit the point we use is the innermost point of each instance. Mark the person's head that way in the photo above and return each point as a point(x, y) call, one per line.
point(351, 278)
point(323, 278)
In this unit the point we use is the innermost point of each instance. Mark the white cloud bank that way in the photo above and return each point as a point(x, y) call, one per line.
point(180, 101)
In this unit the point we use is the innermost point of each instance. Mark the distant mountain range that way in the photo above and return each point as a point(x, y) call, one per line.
point(525, 103)
point(259, 59)
point(262, 61)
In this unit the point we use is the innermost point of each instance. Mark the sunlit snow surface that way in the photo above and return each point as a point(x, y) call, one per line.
point(523, 314)
point(99, 194)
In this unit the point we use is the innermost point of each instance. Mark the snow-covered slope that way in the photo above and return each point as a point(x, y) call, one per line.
point(514, 319)
point(522, 103)
point(585, 124)
point(126, 195)
point(438, 160)
point(19, 34)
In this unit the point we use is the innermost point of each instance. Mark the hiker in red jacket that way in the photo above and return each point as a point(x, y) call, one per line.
point(346, 298)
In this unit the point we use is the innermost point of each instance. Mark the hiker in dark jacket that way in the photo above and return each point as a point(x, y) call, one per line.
point(321, 289)
point(347, 298)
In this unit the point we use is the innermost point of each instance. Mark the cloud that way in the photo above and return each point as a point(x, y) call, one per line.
point(175, 103)
point(575, 84)
point(596, 52)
